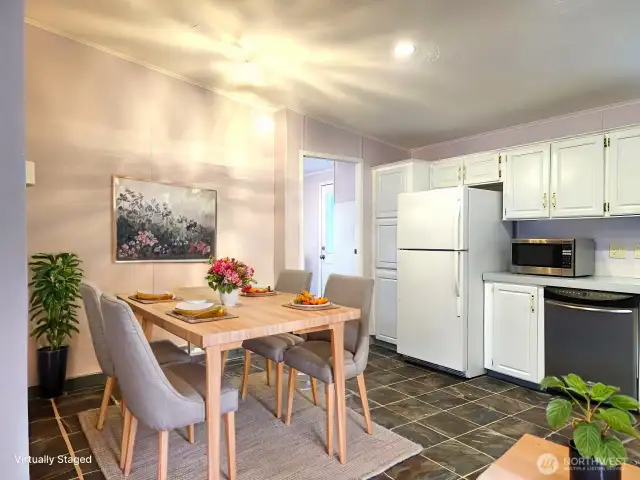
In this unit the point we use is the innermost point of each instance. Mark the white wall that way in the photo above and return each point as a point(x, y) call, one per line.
point(13, 281)
point(311, 234)
point(622, 231)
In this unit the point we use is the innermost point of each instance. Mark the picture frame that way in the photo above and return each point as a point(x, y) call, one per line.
point(162, 222)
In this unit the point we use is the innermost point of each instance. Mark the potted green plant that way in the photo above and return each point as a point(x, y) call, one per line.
point(55, 288)
point(594, 451)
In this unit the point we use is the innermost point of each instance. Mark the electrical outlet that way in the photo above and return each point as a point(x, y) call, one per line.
point(617, 251)
point(636, 252)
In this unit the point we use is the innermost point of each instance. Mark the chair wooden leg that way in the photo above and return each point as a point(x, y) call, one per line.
point(268, 372)
point(123, 407)
point(191, 433)
point(245, 375)
point(125, 438)
point(230, 434)
point(290, 391)
point(163, 454)
point(362, 388)
point(133, 429)
point(108, 389)
point(279, 373)
point(330, 399)
point(314, 390)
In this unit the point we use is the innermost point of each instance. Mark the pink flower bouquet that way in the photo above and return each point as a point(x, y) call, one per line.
point(228, 274)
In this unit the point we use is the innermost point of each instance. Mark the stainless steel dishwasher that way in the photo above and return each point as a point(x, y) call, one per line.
point(593, 334)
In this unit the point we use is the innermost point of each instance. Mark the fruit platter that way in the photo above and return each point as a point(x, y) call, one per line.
point(150, 295)
point(249, 291)
point(200, 310)
point(308, 301)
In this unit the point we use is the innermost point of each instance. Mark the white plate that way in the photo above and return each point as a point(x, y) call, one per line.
point(196, 302)
point(311, 307)
point(193, 306)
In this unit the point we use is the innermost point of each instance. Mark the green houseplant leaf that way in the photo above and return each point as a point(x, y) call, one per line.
point(588, 439)
point(601, 392)
point(576, 384)
point(55, 289)
point(611, 452)
point(552, 382)
point(623, 402)
point(558, 412)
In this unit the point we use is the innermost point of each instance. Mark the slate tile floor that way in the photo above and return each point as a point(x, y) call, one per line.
point(463, 425)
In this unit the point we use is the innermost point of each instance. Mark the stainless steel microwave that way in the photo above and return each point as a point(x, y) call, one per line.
point(562, 257)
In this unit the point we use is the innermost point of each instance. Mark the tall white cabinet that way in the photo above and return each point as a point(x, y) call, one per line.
point(388, 182)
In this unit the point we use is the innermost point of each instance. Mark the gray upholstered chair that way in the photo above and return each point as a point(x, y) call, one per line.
point(273, 347)
point(165, 351)
point(161, 398)
point(313, 357)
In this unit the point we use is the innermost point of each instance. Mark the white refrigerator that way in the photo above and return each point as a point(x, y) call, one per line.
point(447, 238)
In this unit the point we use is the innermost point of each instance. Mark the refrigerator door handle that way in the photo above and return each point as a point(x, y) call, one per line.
point(456, 226)
point(457, 280)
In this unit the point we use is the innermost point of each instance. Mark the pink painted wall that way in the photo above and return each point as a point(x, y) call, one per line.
point(589, 121)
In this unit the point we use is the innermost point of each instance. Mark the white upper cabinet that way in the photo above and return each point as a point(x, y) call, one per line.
point(446, 173)
point(513, 327)
point(526, 182)
point(390, 182)
point(482, 168)
point(386, 243)
point(577, 177)
point(623, 172)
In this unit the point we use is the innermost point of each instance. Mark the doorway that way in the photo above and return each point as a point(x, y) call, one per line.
point(331, 225)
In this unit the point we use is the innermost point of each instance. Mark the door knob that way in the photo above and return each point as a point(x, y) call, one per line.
point(321, 257)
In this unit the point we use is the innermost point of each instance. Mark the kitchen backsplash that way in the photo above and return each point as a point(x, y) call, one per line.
point(624, 232)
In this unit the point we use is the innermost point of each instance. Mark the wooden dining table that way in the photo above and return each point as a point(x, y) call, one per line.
point(257, 317)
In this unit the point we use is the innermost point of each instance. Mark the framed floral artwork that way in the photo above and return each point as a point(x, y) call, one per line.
point(163, 222)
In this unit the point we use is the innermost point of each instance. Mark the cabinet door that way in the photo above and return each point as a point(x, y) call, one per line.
point(515, 331)
point(447, 173)
point(577, 177)
point(483, 168)
point(526, 183)
point(386, 299)
point(389, 183)
point(623, 172)
point(386, 243)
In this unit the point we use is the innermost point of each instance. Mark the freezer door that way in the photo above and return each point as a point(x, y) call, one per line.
point(431, 307)
point(433, 220)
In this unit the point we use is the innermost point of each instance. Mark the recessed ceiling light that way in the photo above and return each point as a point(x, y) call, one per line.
point(404, 49)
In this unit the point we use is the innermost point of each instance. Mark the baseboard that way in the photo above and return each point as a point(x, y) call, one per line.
point(74, 384)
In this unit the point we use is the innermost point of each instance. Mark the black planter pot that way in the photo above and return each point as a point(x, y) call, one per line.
point(52, 371)
point(581, 468)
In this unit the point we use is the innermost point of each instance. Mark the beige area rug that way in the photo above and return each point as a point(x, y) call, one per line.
point(266, 448)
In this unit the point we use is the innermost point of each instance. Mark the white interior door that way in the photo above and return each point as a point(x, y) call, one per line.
point(431, 322)
point(345, 221)
point(327, 252)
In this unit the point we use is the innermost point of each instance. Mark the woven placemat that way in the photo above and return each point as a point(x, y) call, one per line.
point(190, 319)
point(148, 302)
point(265, 294)
point(329, 306)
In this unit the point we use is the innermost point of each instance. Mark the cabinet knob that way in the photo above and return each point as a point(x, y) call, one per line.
point(322, 257)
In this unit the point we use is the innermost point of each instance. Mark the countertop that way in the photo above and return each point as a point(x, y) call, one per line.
point(606, 284)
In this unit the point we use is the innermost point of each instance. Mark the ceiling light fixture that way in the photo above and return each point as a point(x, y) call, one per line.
point(404, 49)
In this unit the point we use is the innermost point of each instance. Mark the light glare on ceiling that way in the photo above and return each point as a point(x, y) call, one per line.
point(265, 124)
point(404, 49)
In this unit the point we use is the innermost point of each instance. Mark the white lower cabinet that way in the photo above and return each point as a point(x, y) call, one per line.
point(514, 330)
point(386, 304)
